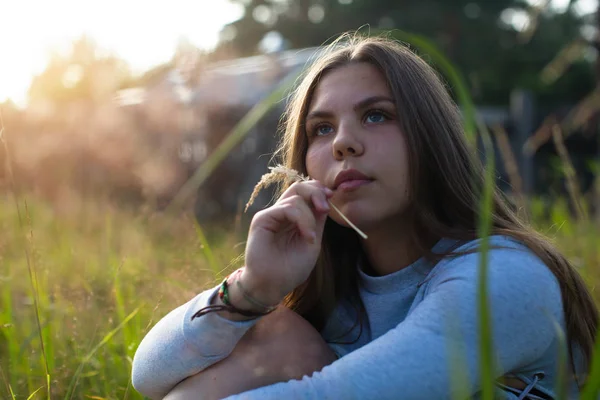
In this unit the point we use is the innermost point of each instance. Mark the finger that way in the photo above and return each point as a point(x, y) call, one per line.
point(320, 226)
point(313, 192)
point(320, 203)
point(297, 212)
point(291, 211)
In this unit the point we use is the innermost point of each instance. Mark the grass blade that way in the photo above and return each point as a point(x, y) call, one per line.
point(457, 361)
point(27, 246)
point(592, 388)
point(562, 369)
point(35, 289)
point(484, 230)
point(6, 382)
point(33, 394)
point(88, 357)
point(212, 262)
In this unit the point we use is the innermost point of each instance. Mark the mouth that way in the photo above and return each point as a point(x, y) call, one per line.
point(350, 179)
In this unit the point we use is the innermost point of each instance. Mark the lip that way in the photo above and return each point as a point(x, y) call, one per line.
point(350, 179)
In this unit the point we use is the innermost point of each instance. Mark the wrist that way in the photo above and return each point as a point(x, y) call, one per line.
point(226, 314)
point(237, 308)
point(259, 290)
point(236, 304)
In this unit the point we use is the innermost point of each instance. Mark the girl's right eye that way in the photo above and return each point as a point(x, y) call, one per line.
point(322, 130)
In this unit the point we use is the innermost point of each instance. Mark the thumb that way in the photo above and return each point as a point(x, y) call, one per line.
point(320, 226)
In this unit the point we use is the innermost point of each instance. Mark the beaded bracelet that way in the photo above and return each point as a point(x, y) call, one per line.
point(223, 294)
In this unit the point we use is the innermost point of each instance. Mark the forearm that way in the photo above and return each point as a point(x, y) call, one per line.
point(178, 347)
point(280, 347)
point(183, 344)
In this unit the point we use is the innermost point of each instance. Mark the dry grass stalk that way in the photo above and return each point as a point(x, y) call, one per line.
point(582, 113)
point(563, 60)
point(510, 163)
point(278, 173)
point(570, 176)
point(540, 137)
point(282, 173)
point(577, 118)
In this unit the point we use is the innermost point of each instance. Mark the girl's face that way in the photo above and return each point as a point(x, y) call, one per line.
point(356, 148)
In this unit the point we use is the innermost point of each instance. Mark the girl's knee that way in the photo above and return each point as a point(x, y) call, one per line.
point(286, 342)
point(280, 347)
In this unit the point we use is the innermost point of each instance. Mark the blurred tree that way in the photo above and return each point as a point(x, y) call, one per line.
point(486, 39)
point(84, 73)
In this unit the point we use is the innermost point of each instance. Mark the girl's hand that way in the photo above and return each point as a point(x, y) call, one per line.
point(284, 241)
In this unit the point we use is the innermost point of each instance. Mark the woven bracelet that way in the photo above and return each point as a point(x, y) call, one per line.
point(227, 306)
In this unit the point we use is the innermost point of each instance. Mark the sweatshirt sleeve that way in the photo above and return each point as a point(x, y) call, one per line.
point(438, 343)
point(177, 347)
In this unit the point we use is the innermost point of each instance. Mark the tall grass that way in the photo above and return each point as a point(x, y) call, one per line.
point(96, 295)
point(98, 304)
point(79, 291)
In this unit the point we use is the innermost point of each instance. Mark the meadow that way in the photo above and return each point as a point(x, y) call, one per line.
point(81, 287)
point(83, 280)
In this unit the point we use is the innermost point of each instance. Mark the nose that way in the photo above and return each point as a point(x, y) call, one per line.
point(346, 143)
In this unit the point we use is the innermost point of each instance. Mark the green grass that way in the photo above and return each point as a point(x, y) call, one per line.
point(105, 275)
point(79, 291)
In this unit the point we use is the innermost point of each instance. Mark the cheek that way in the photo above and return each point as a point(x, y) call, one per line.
point(394, 157)
point(315, 162)
point(399, 148)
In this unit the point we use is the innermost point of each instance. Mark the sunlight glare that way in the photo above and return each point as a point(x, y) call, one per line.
point(144, 34)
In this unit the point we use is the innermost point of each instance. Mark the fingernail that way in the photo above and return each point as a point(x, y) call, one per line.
point(328, 191)
point(325, 205)
point(312, 237)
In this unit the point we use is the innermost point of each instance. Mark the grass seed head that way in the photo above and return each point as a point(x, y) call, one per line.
point(279, 173)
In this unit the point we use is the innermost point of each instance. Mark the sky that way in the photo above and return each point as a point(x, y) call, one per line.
point(142, 32)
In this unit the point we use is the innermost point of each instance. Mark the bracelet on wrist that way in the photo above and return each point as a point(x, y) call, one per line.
point(223, 294)
point(262, 307)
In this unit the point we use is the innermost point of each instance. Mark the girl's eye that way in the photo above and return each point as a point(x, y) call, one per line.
point(376, 117)
point(322, 129)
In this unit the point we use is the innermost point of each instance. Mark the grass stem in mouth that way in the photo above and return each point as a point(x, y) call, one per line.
point(282, 173)
point(361, 233)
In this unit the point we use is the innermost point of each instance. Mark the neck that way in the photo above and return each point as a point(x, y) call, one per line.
point(391, 249)
point(388, 252)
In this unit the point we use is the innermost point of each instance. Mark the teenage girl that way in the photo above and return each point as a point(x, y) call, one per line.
point(317, 312)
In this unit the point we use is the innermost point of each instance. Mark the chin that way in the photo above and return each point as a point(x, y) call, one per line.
point(368, 217)
point(359, 217)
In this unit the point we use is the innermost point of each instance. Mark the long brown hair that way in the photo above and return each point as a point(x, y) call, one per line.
point(440, 155)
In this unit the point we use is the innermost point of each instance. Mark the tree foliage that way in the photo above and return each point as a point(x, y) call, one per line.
point(487, 40)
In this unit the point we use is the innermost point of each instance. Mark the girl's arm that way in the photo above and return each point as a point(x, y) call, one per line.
point(438, 342)
point(283, 245)
point(177, 347)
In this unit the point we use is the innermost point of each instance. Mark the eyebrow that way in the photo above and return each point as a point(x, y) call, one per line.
point(358, 106)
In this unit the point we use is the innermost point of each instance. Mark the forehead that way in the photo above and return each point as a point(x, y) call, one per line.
point(349, 84)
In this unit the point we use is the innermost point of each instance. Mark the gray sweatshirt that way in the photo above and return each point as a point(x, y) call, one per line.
point(421, 333)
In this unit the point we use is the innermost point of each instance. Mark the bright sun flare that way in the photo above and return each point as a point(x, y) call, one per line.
point(143, 33)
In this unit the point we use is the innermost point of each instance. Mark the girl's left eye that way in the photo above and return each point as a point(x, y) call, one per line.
point(376, 117)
